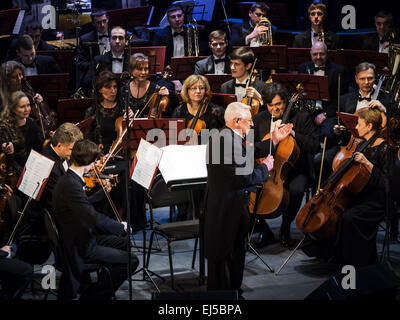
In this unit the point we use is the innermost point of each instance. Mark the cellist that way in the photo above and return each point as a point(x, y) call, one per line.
point(304, 133)
point(354, 243)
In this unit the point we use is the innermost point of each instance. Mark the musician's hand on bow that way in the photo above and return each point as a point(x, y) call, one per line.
point(376, 104)
point(38, 98)
point(269, 162)
point(8, 148)
point(253, 93)
point(320, 118)
point(6, 249)
point(125, 224)
point(130, 114)
point(164, 91)
point(339, 129)
point(281, 132)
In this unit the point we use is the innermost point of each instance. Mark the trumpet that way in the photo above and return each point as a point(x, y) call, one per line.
point(265, 39)
point(193, 39)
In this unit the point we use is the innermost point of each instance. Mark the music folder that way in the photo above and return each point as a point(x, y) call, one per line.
point(350, 122)
point(35, 174)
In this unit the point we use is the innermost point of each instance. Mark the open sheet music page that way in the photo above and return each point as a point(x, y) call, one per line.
point(145, 164)
point(183, 162)
point(37, 169)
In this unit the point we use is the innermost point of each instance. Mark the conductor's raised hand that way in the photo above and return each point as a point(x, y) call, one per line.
point(281, 132)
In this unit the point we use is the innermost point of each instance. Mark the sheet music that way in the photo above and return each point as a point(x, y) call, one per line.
point(182, 162)
point(19, 21)
point(37, 169)
point(148, 157)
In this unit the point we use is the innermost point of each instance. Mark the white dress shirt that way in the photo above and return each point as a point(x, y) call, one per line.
point(179, 45)
point(118, 66)
point(240, 91)
point(219, 67)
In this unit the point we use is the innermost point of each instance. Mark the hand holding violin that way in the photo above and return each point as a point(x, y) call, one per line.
point(38, 98)
point(163, 91)
point(8, 148)
point(253, 93)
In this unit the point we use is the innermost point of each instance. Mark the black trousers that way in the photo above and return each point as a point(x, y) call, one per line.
point(15, 276)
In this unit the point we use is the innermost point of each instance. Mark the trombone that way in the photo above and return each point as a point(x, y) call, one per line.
point(193, 39)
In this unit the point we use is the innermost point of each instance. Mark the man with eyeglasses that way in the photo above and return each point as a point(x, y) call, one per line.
point(219, 62)
point(385, 33)
point(248, 32)
point(304, 132)
point(317, 14)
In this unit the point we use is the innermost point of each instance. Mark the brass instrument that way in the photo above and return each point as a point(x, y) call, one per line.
point(66, 44)
point(321, 36)
point(79, 94)
point(193, 38)
point(265, 39)
point(393, 85)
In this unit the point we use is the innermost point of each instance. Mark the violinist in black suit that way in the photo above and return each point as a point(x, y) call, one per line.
point(317, 14)
point(304, 133)
point(88, 236)
point(242, 60)
point(219, 62)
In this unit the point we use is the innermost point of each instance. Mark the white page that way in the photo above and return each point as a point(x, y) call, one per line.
point(37, 169)
point(148, 158)
point(180, 162)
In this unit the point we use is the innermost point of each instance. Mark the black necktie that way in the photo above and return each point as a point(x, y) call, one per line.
point(117, 59)
point(219, 60)
point(240, 85)
point(179, 34)
point(363, 98)
point(320, 68)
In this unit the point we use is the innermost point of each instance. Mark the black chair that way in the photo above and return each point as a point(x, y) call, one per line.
point(62, 262)
point(161, 196)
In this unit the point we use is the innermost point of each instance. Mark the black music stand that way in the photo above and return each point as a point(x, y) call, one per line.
point(315, 87)
point(64, 58)
point(51, 86)
point(156, 57)
point(296, 57)
point(131, 17)
point(183, 67)
point(72, 110)
point(223, 99)
point(8, 19)
point(216, 80)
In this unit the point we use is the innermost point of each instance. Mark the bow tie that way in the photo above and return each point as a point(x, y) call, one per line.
point(103, 36)
point(323, 68)
point(32, 65)
point(179, 34)
point(363, 98)
point(240, 85)
point(316, 34)
point(382, 41)
point(117, 59)
point(219, 60)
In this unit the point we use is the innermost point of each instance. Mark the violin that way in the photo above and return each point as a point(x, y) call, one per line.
point(252, 102)
point(8, 180)
point(196, 124)
point(158, 103)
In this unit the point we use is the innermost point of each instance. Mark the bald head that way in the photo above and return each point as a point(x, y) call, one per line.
point(319, 53)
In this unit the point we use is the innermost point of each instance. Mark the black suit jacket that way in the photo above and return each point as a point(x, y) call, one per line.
point(227, 194)
point(83, 56)
point(240, 31)
point(332, 72)
point(44, 64)
point(12, 50)
point(371, 43)
point(348, 102)
point(79, 223)
point(207, 65)
point(303, 40)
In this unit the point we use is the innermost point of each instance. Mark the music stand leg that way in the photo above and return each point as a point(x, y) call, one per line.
point(291, 254)
point(254, 251)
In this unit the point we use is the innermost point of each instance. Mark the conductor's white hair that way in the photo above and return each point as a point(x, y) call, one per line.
point(235, 110)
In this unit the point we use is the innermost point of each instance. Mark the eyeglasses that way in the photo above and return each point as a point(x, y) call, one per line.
point(217, 44)
point(197, 89)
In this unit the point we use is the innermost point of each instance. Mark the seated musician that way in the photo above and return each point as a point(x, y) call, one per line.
point(115, 60)
point(34, 30)
point(380, 40)
point(88, 235)
point(141, 89)
point(305, 134)
point(18, 132)
point(317, 14)
point(242, 60)
point(248, 33)
point(219, 62)
point(34, 64)
point(355, 240)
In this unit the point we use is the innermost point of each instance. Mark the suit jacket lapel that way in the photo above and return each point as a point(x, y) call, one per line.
point(210, 64)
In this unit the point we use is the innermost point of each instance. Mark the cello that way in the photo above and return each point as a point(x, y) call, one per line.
point(273, 198)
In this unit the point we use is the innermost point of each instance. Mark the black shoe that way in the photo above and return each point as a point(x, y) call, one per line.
point(265, 239)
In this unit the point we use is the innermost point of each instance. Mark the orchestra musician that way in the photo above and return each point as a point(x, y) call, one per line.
point(88, 235)
point(299, 175)
point(355, 240)
point(248, 32)
point(242, 60)
point(317, 13)
point(219, 62)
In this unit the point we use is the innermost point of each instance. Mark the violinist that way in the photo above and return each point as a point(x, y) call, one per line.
point(141, 89)
point(355, 240)
point(242, 60)
point(304, 133)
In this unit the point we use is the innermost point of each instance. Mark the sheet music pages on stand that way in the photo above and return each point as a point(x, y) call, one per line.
point(145, 164)
point(37, 169)
point(183, 162)
point(350, 122)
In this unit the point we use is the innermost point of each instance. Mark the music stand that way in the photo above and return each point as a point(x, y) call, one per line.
point(132, 17)
point(156, 57)
point(182, 67)
point(296, 57)
point(351, 58)
point(84, 125)
point(315, 87)
point(64, 58)
point(270, 57)
point(8, 19)
point(223, 99)
point(51, 86)
point(216, 80)
point(72, 110)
